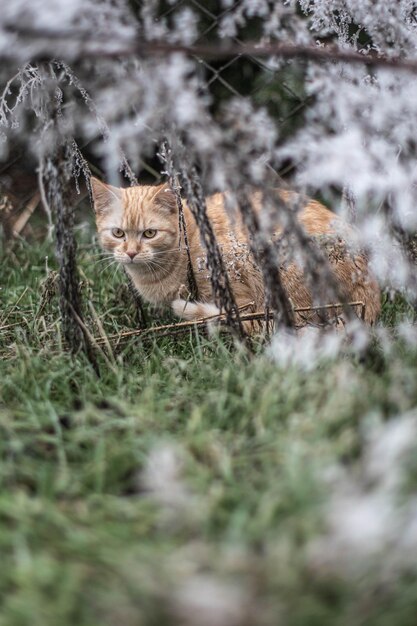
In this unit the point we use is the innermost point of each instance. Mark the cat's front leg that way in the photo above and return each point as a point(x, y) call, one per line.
point(187, 310)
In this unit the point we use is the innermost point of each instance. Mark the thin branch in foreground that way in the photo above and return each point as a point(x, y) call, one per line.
point(220, 320)
point(83, 46)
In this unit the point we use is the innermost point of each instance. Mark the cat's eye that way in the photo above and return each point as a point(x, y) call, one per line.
point(118, 232)
point(149, 233)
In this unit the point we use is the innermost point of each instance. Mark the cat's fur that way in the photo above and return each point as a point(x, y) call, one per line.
point(158, 265)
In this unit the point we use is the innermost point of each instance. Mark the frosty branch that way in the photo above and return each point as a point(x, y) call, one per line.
point(81, 45)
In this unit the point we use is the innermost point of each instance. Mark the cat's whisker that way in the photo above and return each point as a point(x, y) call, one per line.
point(156, 264)
point(99, 252)
point(103, 260)
point(169, 251)
point(153, 272)
point(107, 258)
point(102, 253)
point(106, 267)
point(111, 257)
point(116, 269)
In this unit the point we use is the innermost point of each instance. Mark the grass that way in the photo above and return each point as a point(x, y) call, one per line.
point(186, 479)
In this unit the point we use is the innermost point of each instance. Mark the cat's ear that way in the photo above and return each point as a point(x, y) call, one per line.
point(105, 197)
point(165, 198)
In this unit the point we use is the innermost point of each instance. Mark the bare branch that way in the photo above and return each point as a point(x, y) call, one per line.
point(86, 47)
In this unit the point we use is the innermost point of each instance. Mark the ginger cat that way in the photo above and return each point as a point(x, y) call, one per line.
point(139, 225)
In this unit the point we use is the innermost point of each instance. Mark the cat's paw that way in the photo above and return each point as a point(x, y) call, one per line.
point(179, 307)
point(194, 310)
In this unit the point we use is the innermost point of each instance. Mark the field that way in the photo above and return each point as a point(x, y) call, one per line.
point(193, 482)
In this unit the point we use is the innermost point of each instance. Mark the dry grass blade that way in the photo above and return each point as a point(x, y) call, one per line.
point(14, 306)
point(103, 336)
point(91, 341)
point(25, 215)
point(8, 326)
point(201, 324)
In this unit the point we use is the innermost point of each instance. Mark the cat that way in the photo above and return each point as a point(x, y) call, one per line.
point(140, 227)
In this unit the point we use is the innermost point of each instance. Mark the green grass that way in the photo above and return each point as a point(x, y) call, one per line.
point(239, 444)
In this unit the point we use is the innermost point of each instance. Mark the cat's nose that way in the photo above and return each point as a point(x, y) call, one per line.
point(131, 254)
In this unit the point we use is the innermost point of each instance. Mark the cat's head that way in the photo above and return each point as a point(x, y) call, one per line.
point(137, 224)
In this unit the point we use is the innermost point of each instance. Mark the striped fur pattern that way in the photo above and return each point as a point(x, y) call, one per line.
point(139, 227)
